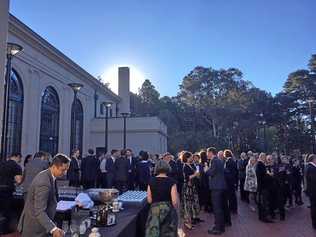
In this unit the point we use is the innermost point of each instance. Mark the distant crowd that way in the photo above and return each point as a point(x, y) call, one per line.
point(178, 188)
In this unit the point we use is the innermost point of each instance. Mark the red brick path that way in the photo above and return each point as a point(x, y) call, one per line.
point(246, 224)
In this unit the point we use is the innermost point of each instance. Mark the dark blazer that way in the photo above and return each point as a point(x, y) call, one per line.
point(311, 181)
point(90, 166)
point(231, 173)
point(262, 176)
point(174, 170)
point(40, 207)
point(132, 169)
point(110, 172)
point(143, 171)
point(216, 175)
point(73, 174)
point(121, 167)
point(31, 169)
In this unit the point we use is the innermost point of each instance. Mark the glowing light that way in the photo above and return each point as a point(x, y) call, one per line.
point(111, 76)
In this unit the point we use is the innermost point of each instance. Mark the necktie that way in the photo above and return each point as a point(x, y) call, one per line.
point(56, 190)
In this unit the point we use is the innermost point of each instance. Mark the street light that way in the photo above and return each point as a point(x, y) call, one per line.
point(263, 122)
point(12, 50)
point(124, 115)
point(106, 105)
point(76, 88)
point(310, 102)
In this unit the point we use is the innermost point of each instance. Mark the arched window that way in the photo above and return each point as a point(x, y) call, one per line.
point(15, 113)
point(76, 134)
point(49, 121)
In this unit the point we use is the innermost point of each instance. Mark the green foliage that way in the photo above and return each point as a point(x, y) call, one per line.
point(220, 108)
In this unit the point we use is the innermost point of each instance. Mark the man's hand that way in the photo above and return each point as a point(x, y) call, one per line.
point(58, 233)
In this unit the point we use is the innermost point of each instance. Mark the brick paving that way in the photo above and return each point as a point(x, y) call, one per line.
point(246, 224)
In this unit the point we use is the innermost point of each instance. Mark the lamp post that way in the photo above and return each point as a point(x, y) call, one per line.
point(263, 122)
point(76, 88)
point(310, 102)
point(12, 50)
point(106, 105)
point(124, 115)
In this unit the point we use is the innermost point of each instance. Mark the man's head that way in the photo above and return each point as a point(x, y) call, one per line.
point(211, 153)
point(75, 153)
point(220, 155)
point(17, 157)
point(312, 158)
point(186, 157)
point(60, 165)
point(228, 154)
point(90, 152)
point(196, 158)
point(270, 160)
point(243, 156)
point(42, 155)
point(129, 152)
point(115, 153)
point(167, 157)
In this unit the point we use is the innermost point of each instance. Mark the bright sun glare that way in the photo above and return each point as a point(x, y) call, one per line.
point(111, 76)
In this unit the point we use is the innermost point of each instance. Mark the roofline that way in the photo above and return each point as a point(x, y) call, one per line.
point(17, 26)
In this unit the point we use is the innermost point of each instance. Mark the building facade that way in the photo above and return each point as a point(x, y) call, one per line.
point(43, 114)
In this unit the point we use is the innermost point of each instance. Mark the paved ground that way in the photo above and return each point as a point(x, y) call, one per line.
point(246, 224)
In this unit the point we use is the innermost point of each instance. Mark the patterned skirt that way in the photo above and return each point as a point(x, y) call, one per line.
point(190, 207)
point(162, 220)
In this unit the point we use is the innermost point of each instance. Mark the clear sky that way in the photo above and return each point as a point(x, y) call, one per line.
point(166, 39)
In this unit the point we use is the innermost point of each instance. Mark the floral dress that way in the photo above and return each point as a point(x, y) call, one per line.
point(251, 179)
point(190, 207)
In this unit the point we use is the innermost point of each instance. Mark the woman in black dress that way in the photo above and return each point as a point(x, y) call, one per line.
point(162, 194)
point(190, 201)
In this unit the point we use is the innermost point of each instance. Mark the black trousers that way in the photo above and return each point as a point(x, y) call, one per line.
point(263, 204)
point(218, 209)
point(244, 195)
point(89, 184)
point(232, 199)
point(6, 213)
point(313, 210)
point(122, 186)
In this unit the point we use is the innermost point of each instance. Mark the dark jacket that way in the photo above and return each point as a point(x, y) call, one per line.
point(262, 176)
point(311, 181)
point(241, 166)
point(231, 173)
point(73, 174)
point(90, 166)
point(216, 175)
point(143, 171)
point(174, 170)
point(121, 167)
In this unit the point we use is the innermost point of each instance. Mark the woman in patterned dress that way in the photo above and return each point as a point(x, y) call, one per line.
point(190, 207)
point(251, 180)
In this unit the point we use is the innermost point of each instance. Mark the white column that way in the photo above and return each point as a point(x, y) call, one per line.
point(4, 16)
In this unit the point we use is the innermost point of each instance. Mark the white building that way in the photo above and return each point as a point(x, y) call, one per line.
point(41, 102)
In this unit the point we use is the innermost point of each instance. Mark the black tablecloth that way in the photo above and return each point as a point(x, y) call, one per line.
point(130, 222)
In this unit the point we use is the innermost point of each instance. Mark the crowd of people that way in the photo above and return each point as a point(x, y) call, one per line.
point(179, 188)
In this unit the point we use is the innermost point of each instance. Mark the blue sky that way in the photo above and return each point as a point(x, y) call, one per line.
point(166, 39)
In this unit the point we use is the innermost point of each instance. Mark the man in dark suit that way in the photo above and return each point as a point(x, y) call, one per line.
point(217, 184)
point(132, 169)
point(121, 168)
point(110, 169)
point(32, 168)
point(73, 175)
point(90, 166)
point(10, 174)
point(231, 175)
point(311, 186)
point(263, 189)
point(40, 207)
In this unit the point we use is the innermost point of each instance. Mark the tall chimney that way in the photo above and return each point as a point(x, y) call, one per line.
point(123, 89)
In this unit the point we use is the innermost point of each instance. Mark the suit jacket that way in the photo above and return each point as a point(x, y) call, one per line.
point(31, 169)
point(132, 169)
point(216, 175)
point(88, 164)
point(231, 173)
point(121, 167)
point(311, 180)
point(262, 176)
point(173, 173)
point(73, 173)
point(40, 207)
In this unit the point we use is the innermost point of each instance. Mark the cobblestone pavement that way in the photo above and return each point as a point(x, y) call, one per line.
point(246, 224)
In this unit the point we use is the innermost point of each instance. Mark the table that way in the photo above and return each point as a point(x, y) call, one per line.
point(131, 222)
